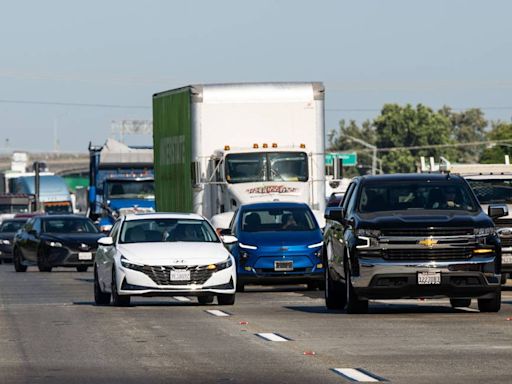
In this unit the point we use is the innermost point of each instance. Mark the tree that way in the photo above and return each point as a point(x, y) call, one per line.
point(496, 154)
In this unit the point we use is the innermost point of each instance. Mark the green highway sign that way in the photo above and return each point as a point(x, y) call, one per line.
point(349, 159)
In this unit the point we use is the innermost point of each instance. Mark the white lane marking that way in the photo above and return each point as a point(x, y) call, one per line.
point(272, 337)
point(181, 298)
point(356, 375)
point(216, 312)
point(467, 309)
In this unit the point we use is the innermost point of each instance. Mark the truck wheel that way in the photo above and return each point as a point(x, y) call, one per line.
point(460, 303)
point(503, 278)
point(490, 305)
point(17, 261)
point(226, 299)
point(354, 303)
point(42, 262)
point(117, 299)
point(100, 298)
point(334, 292)
point(205, 299)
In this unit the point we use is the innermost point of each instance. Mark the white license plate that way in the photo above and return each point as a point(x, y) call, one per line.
point(283, 266)
point(506, 259)
point(84, 255)
point(429, 278)
point(180, 275)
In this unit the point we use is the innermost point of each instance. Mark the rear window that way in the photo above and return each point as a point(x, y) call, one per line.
point(416, 196)
point(278, 219)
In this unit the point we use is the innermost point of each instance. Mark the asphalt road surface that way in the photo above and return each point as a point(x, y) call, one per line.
point(51, 332)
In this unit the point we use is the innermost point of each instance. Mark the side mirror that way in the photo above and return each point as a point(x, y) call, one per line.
point(224, 231)
point(497, 210)
point(229, 239)
point(106, 241)
point(334, 213)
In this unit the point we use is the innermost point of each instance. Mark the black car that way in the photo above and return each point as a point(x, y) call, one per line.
point(410, 236)
point(56, 241)
point(8, 228)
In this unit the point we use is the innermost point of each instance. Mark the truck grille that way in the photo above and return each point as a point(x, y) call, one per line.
point(503, 222)
point(427, 254)
point(161, 275)
point(425, 232)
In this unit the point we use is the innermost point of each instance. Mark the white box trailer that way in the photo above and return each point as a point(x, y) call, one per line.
point(222, 145)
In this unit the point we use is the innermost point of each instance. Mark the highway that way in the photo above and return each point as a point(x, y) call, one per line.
point(51, 332)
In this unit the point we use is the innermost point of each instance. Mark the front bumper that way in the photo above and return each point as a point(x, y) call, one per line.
point(139, 283)
point(66, 257)
point(383, 279)
point(5, 252)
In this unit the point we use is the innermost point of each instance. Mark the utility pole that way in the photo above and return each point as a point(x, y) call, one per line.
point(367, 145)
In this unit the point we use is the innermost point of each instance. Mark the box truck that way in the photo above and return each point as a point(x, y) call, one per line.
point(222, 145)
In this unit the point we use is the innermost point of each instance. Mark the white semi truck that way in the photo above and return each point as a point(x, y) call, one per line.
point(222, 145)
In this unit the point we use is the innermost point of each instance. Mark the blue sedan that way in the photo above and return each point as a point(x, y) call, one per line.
point(277, 243)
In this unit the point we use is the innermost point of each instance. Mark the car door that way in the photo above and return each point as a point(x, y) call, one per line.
point(338, 231)
point(33, 240)
point(22, 236)
point(105, 256)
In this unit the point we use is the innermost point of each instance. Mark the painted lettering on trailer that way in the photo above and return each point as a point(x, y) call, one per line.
point(272, 189)
point(172, 150)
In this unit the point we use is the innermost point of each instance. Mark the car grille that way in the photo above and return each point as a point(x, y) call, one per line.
point(427, 254)
point(425, 232)
point(161, 274)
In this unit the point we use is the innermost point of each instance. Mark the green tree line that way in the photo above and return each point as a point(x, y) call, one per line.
point(399, 130)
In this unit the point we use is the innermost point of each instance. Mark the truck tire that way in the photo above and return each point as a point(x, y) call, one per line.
point(490, 305)
point(460, 303)
point(354, 303)
point(335, 297)
point(17, 261)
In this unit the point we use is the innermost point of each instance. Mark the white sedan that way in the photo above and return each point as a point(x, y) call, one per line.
point(163, 254)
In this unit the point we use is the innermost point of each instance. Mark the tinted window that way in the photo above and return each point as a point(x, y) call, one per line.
point(492, 191)
point(278, 219)
point(11, 226)
point(165, 230)
point(68, 225)
point(415, 195)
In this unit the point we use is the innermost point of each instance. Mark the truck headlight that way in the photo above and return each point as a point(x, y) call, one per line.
point(484, 231)
point(130, 265)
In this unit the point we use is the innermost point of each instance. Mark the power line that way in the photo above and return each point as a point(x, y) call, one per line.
point(65, 104)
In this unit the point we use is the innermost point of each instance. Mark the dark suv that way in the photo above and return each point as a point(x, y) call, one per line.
point(409, 236)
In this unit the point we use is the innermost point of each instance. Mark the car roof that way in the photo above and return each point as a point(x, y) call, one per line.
point(68, 216)
point(411, 177)
point(163, 215)
point(15, 219)
point(273, 204)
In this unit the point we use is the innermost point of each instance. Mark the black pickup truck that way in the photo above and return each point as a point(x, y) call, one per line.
point(411, 236)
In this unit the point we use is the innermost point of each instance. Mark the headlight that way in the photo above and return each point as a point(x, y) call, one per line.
point(368, 232)
point(131, 265)
point(5, 242)
point(55, 244)
point(484, 231)
point(246, 246)
point(220, 266)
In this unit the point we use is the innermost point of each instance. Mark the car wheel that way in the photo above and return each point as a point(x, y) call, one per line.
point(240, 287)
point(117, 299)
point(208, 299)
point(460, 303)
point(82, 268)
point(354, 303)
point(100, 297)
point(18, 262)
point(226, 299)
point(490, 305)
point(334, 292)
point(42, 261)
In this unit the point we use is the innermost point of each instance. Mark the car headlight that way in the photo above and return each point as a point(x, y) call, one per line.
point(484, 231)
point(220, 266)
point(5, 242)
point(130, 264)
point(368, 232)
point(316, 245)
point(55, 244)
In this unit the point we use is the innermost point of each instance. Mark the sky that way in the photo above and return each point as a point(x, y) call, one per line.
point(69, 68)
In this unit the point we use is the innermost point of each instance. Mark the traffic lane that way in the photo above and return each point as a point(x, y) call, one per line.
point(60, 340)
point(402, 340)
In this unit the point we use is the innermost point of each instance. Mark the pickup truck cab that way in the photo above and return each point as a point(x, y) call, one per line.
point(410, 236)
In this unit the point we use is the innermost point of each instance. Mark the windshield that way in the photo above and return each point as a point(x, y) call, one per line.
point(58, 207)
point(415, 196)
point(131, 189)
point(167, 230)
point(68, 225)
point(9, 226)
point(278, 220)
point(492, 191)
point(266, 166)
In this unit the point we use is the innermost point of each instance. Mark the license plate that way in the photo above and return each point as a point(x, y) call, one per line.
point(180, 275)
point(429, 278)
point(506, 259)
point(283, 266)
point(85, 256)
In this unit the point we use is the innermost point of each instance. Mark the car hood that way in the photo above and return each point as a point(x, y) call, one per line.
point(406, 219)
point(174, 253)
point(279, 239)
point(73, 238)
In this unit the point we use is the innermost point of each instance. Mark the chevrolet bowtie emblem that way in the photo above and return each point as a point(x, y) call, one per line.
point(428, 242)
